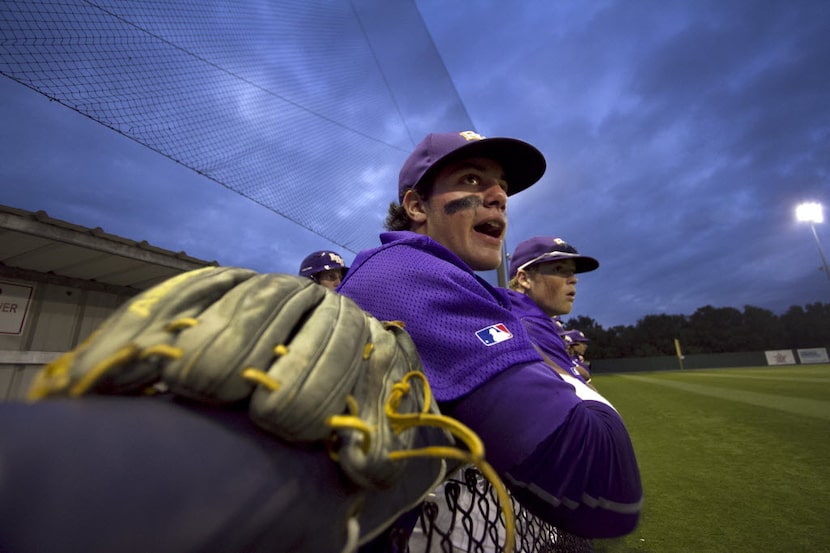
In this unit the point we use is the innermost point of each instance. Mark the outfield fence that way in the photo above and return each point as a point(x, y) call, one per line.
point(702, 361)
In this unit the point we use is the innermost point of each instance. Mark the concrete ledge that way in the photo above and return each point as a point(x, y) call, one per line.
point(11, 357)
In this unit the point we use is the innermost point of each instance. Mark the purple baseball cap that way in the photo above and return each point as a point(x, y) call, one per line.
point(322, 260)
point(541, 249)
point(574, 336)
point(523, 164)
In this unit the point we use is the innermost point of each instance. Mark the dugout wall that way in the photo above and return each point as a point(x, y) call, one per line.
point(59, 281)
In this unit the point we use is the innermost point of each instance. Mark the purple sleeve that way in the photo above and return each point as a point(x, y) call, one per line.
point(579, 473)
point(134, 474)
point(602, 494)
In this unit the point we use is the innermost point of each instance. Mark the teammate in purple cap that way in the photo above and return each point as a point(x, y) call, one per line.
point(577, 344)
point(543, 287)
point(324, 267)
point(559, 445)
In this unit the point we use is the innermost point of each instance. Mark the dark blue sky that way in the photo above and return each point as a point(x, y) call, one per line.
point(679, 136)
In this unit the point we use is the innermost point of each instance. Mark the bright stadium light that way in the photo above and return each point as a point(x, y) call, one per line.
point(811, 212)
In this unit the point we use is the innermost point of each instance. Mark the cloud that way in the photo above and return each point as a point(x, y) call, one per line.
point(679, 137)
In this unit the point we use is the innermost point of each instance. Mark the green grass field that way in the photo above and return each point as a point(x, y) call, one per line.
point(732, 460)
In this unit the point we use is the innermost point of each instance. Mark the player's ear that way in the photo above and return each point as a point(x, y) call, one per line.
point(523, 279)
point(413, 203)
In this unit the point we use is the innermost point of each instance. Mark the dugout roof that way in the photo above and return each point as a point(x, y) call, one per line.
point(37, 247)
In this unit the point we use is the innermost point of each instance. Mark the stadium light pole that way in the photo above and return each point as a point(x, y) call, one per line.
point(811, 212)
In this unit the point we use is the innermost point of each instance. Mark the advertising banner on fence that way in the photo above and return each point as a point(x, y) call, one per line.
point(813, 355)
point(14, 304)
point(780, 357)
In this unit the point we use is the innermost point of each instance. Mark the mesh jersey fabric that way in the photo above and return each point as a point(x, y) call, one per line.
point(445, 307)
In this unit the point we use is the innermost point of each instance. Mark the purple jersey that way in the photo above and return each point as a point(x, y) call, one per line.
point(464, 328)
point(543, 331)
point(561, 447)
point(580, 362)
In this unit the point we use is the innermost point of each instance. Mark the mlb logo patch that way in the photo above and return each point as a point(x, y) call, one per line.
point(494, 334)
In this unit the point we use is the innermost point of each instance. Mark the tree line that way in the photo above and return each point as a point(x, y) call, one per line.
point(709, 330)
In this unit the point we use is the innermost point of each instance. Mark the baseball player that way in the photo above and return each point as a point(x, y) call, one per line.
point(577, 344)
point(324, 267)
point(560, 446)
point(542, 288)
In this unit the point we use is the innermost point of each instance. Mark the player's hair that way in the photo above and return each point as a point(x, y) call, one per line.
point(397, 218)
point(513, 283)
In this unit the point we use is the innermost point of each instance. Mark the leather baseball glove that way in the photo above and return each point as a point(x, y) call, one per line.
point(308, 365)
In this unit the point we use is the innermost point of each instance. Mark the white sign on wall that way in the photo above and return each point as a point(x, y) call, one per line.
point(813, 355)
point(780, 357)
point(14, 305)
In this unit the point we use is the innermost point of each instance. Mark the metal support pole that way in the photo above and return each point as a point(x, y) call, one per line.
point(820, 251)
point(501, 270)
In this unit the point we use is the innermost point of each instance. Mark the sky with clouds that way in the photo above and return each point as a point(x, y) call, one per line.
point(679, 138)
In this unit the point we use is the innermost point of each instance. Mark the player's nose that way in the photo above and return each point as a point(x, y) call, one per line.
point(495, 195)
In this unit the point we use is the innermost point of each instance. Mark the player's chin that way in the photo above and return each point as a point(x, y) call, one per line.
point(484, 262)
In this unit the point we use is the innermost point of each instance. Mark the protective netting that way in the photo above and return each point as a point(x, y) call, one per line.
point(307, 107)
point(463, 515)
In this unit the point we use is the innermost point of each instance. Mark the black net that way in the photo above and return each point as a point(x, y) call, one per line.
point(307, 107)
point(463, 515)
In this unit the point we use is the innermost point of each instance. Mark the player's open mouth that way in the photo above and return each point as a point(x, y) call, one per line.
point(490, 228)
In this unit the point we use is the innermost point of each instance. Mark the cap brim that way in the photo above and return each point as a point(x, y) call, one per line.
point(582, 263)
point(585, 264)
point(523, 164)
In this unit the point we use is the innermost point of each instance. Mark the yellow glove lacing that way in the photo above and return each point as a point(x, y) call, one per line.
point(404, 421)
point(54, 378)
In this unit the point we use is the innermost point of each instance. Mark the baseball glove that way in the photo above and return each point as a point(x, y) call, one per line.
point(308, 363)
